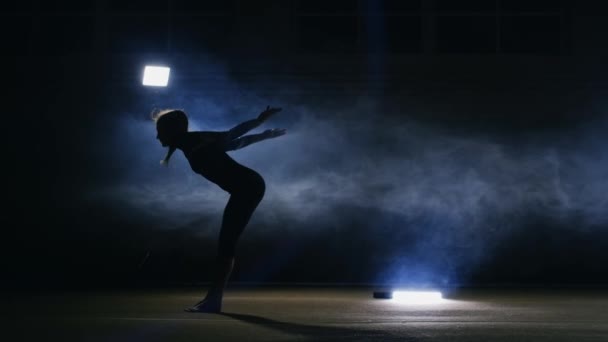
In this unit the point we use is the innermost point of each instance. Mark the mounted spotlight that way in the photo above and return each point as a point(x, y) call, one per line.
point(156, 76)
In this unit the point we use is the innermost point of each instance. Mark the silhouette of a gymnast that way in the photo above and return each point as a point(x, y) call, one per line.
point(206, 152)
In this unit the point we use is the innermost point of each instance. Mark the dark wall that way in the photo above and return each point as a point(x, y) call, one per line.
point(428, 143)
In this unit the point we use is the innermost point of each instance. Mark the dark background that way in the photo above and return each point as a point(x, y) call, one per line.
point(429, 142)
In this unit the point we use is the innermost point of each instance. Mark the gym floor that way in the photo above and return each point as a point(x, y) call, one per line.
point(306, 314)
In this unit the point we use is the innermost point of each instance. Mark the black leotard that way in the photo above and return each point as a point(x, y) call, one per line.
point(206, 153)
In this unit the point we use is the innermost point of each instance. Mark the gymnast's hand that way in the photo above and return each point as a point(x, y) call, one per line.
point(267, 113)
point(275, 132)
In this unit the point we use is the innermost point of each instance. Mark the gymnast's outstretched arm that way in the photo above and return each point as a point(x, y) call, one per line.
point(247, 126)
point(247, 140)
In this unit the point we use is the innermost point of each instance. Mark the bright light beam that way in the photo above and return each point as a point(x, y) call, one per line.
point(417, 297)
point(156, 76)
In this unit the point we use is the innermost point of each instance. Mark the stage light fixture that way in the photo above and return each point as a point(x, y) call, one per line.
point(156, 76)
point(411, 297)
point(417, 297)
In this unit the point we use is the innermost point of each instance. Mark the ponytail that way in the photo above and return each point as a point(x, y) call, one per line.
point(165, 162)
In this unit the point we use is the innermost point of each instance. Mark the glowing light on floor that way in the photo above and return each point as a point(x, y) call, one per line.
point(156, 76)
point(417, 297)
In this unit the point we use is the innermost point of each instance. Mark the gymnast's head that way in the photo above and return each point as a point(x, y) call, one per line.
point(171, 125)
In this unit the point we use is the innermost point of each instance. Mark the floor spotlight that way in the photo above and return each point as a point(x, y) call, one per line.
point(411, 297)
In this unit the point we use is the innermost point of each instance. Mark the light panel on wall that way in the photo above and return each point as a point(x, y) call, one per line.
point(156, 76)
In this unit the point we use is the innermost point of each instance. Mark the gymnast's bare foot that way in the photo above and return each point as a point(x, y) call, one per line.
point(207, 305)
